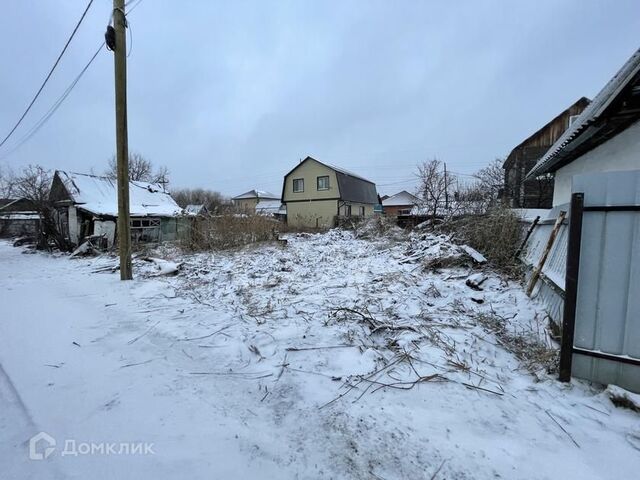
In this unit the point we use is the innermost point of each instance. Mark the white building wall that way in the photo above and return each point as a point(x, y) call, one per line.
point(622, 152)
point(74, 225)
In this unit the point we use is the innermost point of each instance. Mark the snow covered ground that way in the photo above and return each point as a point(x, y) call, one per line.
point(330, 357)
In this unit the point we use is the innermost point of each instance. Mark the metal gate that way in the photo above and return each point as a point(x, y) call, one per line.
point(601, 320)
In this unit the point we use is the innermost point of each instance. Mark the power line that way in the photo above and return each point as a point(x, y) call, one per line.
point(40, 123)
point(49, 75)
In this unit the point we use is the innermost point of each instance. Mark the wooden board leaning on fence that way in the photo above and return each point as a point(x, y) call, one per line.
point(538, 269)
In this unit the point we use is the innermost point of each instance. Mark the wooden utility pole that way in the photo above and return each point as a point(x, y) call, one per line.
point(122, 142)
point(446, 188)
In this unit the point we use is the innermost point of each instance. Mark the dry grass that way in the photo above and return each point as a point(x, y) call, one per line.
point(228, 231)
point(496, 234)
point(526, 346)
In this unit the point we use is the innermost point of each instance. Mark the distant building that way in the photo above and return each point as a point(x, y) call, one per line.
point(315, 193)
point(195, 210)
point(399, 204)
point(18, 217)
point(273, 208)
point(247, 201)
point(87, 205)
point(536, 192)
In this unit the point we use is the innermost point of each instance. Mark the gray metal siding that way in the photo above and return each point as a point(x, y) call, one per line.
point(608, 306)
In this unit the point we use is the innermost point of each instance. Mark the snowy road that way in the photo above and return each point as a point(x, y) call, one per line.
point(96, 362)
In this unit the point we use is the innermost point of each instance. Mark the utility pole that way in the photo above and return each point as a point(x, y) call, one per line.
point(446, 188)
point(122, 141)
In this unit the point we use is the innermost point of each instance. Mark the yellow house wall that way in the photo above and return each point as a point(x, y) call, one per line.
point(310, 171)
point(312, 214)
point(355, 209)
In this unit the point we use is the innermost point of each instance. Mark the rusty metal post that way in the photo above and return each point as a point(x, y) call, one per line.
point(571, 286)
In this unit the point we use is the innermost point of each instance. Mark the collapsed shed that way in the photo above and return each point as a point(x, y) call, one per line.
point(87, 205)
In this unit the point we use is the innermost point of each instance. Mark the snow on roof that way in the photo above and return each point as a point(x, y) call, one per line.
point(590, 114)
point(98, 195)
point(257, 194)
point(400, 199)
point(268, 207)
point(194, 209)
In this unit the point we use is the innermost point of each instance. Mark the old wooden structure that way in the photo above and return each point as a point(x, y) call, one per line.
point(86, 206)
point(536, 192)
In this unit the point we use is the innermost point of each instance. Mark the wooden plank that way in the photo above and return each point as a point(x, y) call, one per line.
point(554, 233)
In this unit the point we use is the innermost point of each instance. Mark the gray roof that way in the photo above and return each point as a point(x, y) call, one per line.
point(586, 125)
point(353, 188)
point(255, 193)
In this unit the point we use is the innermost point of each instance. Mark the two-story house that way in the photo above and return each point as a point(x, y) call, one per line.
point(315, 193)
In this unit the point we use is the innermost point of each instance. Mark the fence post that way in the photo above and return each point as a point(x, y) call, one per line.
point(571, 286)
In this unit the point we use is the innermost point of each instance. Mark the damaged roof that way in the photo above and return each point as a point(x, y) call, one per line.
point(98, 195)
point(615, 108)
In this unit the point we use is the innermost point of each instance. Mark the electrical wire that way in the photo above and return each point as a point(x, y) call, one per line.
point(48, 76)
point(43, 120)
point(40, 123)
point(132, 8)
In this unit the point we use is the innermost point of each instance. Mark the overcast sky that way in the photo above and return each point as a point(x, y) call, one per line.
point(230, 95)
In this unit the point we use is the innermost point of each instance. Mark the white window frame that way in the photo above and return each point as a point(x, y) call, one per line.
point(294, 185)
point(318, 183)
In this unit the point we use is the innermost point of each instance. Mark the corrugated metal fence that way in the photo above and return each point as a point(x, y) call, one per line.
point(607, 319)
point(550, 288)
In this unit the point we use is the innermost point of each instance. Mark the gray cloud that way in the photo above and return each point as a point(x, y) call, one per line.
point(229, 95)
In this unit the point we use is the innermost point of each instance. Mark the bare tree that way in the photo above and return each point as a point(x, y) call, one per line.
point(482, 191)
point(140, 170)
point(214, 201)
point(34, 184)
point(491, 179)
point(434, 185)
point(7, 183)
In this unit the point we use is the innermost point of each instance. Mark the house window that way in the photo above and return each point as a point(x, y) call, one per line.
point(362, 211)
point(323, 183)
point(298, 185)
point(347, 210)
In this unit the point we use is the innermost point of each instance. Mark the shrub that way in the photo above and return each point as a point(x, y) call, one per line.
point(228, 231)
point(496, 234)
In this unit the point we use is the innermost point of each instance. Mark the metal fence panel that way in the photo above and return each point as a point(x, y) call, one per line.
point(550, 289)
point(608, 305)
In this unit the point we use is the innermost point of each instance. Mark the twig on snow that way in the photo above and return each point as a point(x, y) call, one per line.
point(134, 340)
point(136, 364)
point(438, 470)
point(204, 336)
point(301, 349)
point(562, 428)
